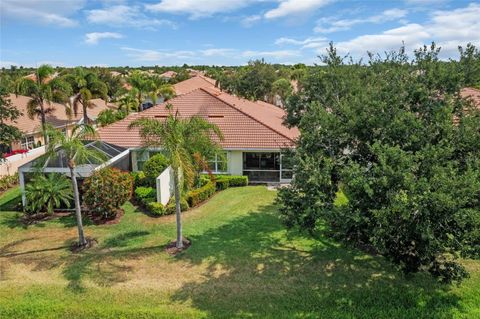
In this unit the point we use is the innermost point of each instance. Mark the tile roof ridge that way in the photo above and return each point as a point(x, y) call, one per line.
point(245, 113)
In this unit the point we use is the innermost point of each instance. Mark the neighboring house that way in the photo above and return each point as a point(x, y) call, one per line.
point(193, 83)
point(254, 134)
point(31, 128)
point(473, 94)
point(168, 75)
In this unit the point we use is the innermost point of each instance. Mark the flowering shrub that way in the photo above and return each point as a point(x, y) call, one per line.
point(15, 152)
point(106, 190)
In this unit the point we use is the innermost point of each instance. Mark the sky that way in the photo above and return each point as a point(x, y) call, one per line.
point(225, 32)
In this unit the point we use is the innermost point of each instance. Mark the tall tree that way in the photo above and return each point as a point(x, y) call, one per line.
point(128, 101)
point(182, 140)
point(165, 91)
point(86, 86)
point(8, 113)
point(44, 89)
point(73, 148)
point(385, 135)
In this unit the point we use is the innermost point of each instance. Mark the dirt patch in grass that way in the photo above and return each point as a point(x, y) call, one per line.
point(172, 249)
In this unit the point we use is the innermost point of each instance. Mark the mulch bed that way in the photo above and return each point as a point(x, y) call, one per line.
point(34, 219)
point(98, 220)
point(172, 249)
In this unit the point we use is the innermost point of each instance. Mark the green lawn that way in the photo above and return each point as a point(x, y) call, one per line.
point(242, 264)
point(10, 199)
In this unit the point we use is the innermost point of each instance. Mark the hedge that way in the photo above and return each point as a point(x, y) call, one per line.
point(201, 194)
point(233, 180)
point(156, 209)
point(222, 184)
point(153, 167)
point(171, 206)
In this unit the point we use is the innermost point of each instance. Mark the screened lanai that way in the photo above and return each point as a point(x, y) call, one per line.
point(111, 155)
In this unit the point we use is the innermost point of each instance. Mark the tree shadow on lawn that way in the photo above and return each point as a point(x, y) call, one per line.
point(103, 264)
point(268, 272)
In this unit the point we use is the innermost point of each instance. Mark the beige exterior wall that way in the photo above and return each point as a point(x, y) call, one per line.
point(38, 138)
point(235, 163)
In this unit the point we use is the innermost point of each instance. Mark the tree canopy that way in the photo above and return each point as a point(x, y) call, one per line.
point(397, 139)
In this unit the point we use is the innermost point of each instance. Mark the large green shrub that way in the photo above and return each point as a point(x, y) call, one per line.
point(139, 179)
point(145, 195)
point(222, 184)
point(106, 190)
point(154, 166)
point(44, 193)
point(201, 194)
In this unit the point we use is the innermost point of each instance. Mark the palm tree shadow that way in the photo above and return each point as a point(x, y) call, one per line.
point(268, 272)
point(104, 264)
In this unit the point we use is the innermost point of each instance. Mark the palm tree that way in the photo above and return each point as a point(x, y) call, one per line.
point(166, 91)
point(129, 101)
point(75, 151)
point(86, 86)
point(43, 89)
point(48, 192)
point(182, 140)
point(142, 83)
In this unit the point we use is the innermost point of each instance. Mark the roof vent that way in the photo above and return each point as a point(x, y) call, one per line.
point(215, 116)
point(160, 116)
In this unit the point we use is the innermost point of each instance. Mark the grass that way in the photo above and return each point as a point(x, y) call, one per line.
point(10, 199)
point(243, 264)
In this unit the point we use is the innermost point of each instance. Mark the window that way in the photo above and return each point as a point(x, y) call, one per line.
point(219, 164)
point(28, 142)
point(142, 157)
point(261, 161)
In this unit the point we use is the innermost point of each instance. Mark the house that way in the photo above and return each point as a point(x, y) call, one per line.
point(31, 128)
point(193, 83)
point(472, 94)
point(168, 75)
point(254, 134)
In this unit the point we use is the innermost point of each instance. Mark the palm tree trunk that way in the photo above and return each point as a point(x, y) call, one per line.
point(85, 116)
point(44, 122)
point(78, 213)
point(178, 209)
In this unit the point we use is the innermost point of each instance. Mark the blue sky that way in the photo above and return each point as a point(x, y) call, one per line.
point(224, 32)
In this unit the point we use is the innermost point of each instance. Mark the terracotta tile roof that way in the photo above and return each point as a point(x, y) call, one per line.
point(168, 74)
point(471, 93)
point(99, 106)
point(243, 126)
point(57, 117)
point(193, 83)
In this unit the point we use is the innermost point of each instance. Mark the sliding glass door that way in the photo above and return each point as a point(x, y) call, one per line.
point(261, 167)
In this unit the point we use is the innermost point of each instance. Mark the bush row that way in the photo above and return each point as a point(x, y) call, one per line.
point(201, 194)
point(8, 181)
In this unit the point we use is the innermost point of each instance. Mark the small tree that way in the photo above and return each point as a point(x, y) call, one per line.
point(180, 139)
point(8, 113)
point(73, 148)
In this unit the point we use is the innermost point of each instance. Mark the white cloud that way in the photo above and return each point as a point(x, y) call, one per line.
point(251, 20)
point(217, 52)
point(122, 15)
point(198, 8)
point(448, 29)
point(55, 12)
point(7, 64)
point(312, 42)
point(293, 7)
point(277, 55)
point(157, 55)
point(329, 25)
point(95, 37)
